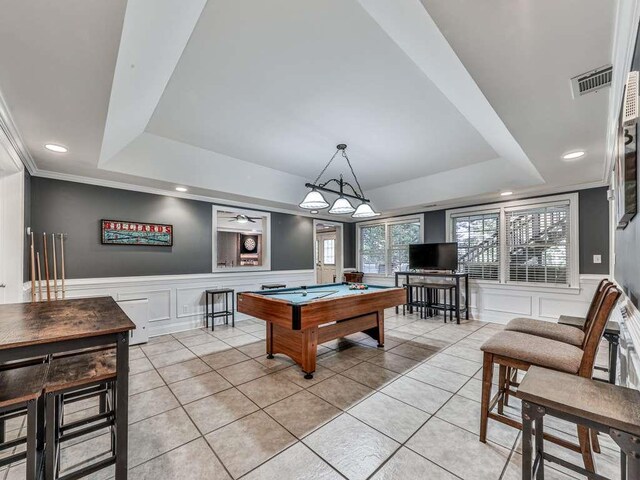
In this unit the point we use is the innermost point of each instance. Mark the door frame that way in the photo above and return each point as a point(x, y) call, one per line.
point(12, 233)
point(339, 248)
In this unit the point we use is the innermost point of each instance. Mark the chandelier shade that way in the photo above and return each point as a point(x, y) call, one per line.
point(341, 206)
point(364, 210)
point(314, 201)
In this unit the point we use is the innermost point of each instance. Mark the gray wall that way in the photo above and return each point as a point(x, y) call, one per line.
point(291, 242)
point(594, 230)
point(627, 266)
point(435, 223)
point(75, 208)
point(593, 221)
point(349, 245)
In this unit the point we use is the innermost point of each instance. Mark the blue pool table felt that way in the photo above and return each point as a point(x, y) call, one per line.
point(325, 291)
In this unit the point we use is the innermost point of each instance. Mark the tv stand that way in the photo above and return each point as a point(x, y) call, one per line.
point(456, 277)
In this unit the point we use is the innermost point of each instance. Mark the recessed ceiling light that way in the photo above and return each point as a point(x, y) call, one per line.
point(574, 155)
point(181, 189)
point(506, 194)
point(56, 148)
point(314, 211)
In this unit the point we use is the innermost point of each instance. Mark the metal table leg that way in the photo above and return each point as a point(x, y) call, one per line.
point(206, 309)
point(122, 405)
point(614, 343)
point(527, 446)
point(458, 300)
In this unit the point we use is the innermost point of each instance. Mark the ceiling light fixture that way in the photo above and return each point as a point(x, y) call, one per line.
point(181, 189)
point(313, 212)
point(574, 155)
point(314, 200)
point(506, 194)
point(56, 148)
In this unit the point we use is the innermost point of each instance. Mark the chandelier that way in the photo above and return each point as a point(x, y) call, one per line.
point(314, 200)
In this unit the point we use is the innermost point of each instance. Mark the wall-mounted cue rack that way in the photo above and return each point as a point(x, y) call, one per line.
point(52, 256)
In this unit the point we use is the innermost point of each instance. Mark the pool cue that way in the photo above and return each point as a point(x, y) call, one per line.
point(39, 277)
point(33, 270)
point(62, 265)
point(46, 265)
point(55, 267)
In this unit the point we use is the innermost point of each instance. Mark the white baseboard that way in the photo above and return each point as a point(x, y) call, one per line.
point(176, 302)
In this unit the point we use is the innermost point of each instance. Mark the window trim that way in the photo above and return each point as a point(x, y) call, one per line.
point(266, 239)
point(574, 234)
point(386, 222)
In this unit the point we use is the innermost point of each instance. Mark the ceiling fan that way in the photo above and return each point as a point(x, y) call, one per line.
point(243, 219)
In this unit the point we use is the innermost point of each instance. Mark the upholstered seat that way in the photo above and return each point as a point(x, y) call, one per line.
point(553, 331)
point(535, 351)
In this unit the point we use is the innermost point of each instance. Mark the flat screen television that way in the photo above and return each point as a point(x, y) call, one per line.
point(433, 256)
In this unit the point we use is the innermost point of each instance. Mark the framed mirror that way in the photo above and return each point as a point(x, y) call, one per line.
point(240, 240)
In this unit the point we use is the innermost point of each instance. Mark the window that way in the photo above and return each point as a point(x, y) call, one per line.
point(478, 238)
point(384, 246)
point(329, 251)
point(373, 246)
point(527, 241)
point(538, 243)
point(401, 235)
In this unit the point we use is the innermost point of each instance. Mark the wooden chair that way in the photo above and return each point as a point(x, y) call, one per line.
point(519, 351)
point(20, 392)
point(72, 378)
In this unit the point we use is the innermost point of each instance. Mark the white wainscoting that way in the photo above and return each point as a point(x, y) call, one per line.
point(176, 302)
point(629, 318)
point(491, 302)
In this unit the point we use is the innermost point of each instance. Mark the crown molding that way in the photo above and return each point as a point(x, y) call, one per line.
point(11, 139)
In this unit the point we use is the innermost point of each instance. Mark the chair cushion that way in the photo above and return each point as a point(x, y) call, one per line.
point(539, 351)
point(553, 331)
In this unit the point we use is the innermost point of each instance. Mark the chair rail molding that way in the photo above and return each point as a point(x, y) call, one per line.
point(176, 302)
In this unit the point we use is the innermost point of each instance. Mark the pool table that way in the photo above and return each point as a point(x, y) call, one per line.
point(299, 319)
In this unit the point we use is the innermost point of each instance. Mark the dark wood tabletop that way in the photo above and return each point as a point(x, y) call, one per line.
point(24, 324)
point(610, 405)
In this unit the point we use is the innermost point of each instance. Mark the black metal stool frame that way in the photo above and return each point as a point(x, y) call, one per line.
point(57, 432)
point(226, 313)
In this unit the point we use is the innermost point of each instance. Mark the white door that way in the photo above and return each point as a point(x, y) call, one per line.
point(326, 257)
point(3, 269)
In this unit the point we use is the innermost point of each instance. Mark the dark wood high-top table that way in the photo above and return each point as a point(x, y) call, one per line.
point(607, 408)
point(38, 329)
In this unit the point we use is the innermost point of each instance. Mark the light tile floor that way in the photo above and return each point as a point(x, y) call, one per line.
point(210, 405)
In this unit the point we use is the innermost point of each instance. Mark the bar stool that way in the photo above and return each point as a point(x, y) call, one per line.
point(71, 378)
point(226, 313)
point(20, 391)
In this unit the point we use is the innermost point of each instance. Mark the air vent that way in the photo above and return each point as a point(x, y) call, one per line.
point(630, 111)
point(592, 81)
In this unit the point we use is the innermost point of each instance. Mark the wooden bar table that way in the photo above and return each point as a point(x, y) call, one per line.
point(606, 408)
point(38, 329)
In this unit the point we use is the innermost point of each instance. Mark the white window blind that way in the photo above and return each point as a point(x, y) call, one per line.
point(538, 244)
point(478, 237)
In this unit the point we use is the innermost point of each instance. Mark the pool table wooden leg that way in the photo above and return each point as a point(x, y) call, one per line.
point(380, 328)
point(309, 351)
point(269, 341)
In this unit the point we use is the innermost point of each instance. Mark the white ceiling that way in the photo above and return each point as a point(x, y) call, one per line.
point(245, 100)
